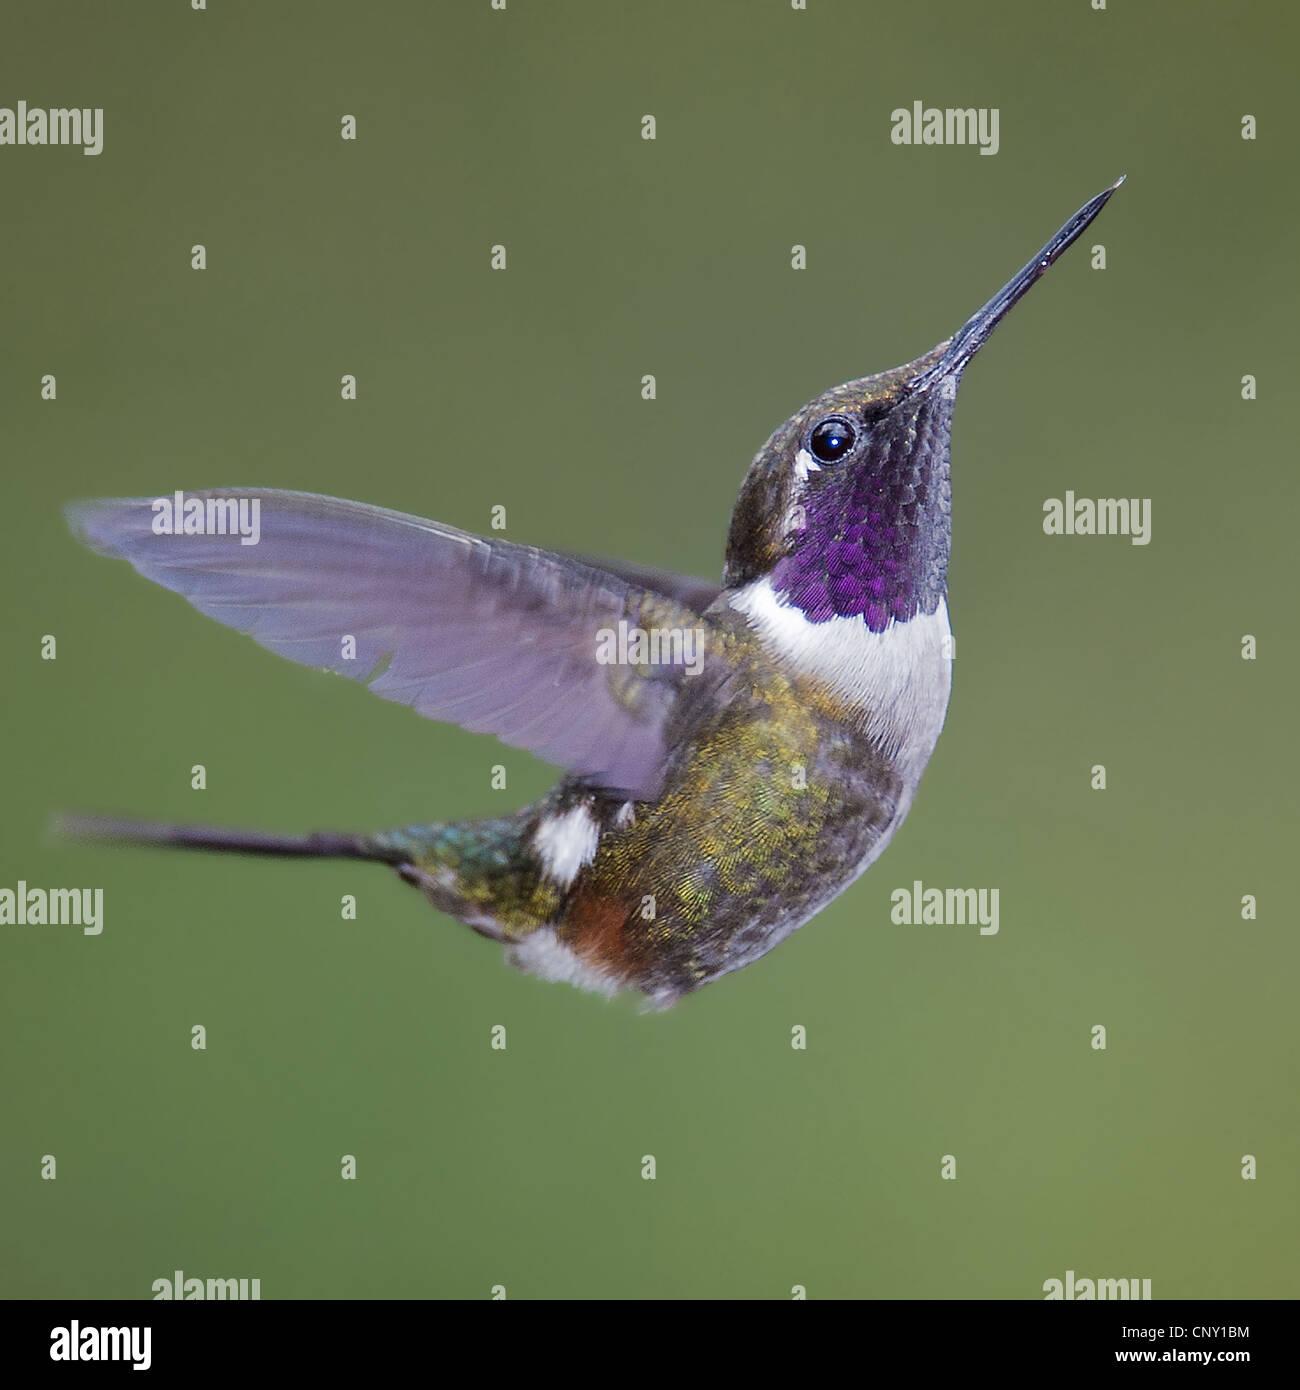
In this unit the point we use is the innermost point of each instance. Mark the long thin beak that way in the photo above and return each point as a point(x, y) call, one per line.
point(973, 334)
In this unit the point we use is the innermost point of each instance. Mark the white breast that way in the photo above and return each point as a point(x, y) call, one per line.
point(896, 682)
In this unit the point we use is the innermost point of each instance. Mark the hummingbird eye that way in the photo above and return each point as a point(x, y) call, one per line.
point(831, 440)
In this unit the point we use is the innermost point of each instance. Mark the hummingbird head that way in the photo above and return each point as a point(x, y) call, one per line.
point(846, 508)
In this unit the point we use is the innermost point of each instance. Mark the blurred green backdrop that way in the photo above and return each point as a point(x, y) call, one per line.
point(327, 1037)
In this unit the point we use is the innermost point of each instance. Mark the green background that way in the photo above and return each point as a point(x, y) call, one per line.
point(775, 1167)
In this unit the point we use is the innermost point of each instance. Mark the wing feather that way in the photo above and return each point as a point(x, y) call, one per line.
point(497, 637)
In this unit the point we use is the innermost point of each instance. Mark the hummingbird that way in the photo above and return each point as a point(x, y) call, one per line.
point(735, 755)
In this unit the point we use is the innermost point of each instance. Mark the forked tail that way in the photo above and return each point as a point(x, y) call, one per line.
point(485, 873)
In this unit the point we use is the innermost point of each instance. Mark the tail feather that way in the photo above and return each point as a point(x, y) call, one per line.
point(314, 844)
point(484, 873)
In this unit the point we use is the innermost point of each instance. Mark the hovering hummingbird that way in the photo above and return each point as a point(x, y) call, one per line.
point(736, 755)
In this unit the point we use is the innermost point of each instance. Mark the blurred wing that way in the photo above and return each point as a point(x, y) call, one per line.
point(495, 637)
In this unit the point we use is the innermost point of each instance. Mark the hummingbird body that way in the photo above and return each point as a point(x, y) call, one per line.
point(711, 807)
point(778, 793)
